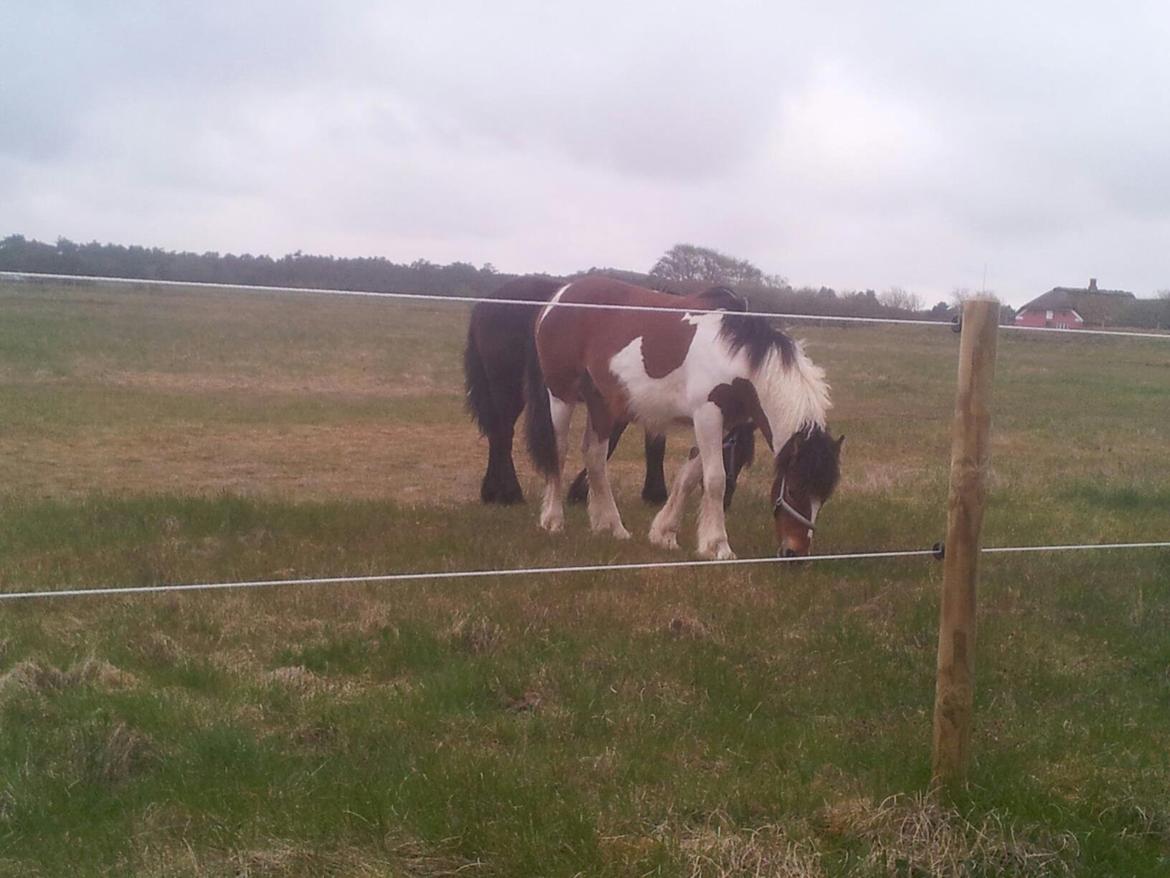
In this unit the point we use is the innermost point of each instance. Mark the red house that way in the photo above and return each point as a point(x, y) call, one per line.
point(1075, 307)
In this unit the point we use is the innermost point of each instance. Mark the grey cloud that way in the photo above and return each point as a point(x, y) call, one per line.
point(851, 144)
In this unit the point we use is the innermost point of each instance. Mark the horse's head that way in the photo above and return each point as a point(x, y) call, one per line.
point(807, 470)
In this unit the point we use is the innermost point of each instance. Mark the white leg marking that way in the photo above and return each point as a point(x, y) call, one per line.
point(712, 525)
point(603, 511)
point(664, 528)
point(552, 510)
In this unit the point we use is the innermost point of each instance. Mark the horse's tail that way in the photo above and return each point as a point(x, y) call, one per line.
point(538, 425)
point(475, 380)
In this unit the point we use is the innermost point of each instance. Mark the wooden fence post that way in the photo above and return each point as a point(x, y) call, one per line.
point(970, 450)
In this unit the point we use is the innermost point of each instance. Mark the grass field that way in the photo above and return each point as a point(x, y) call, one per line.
point(717, 722)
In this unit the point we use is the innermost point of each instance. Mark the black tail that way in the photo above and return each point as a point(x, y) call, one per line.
point(538, 425)
point(479, 391)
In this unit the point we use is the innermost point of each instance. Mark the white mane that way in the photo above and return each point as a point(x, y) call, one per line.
point(793, 396)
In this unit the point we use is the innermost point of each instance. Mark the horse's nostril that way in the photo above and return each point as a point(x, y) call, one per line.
point(788, 553)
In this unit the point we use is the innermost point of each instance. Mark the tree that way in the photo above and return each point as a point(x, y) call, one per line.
point(688, 262)
point(896, 297)
point(959, 295)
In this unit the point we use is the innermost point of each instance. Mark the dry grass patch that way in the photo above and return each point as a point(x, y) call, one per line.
point(43, 679)
point(283, 858)
point(476, 635)
point(687, 626)
point(297, 678)
point(345, 381)
point(917, 835)
point(719, 851)
point(109, 754)
point(409, 463)
point(161, 649)
point(882, 476)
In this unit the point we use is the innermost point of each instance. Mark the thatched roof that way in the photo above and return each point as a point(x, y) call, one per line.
point(1096, 307)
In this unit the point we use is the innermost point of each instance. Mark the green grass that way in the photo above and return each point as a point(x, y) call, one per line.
point(669, 722)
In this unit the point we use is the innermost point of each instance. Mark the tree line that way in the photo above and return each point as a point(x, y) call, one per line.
point(293, 270)
point(683, 268)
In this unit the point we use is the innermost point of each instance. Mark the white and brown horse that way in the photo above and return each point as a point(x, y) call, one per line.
point(677, 364)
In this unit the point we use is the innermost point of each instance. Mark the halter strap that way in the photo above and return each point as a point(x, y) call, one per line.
point(782, 505)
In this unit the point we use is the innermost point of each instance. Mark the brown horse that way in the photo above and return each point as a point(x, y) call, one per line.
point(499, 337)
point(678, 363)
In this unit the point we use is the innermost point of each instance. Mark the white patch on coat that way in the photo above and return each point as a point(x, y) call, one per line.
point(551, 302)
point(792, 397)
point(658, 402)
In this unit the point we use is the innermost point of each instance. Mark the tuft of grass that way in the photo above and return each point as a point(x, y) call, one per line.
point(918, 835)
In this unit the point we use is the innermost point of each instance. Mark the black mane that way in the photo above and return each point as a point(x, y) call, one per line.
point(757, 337)
point(816, 464)
point(724, 298)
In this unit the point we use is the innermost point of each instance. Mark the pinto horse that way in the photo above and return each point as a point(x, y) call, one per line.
point(679, 362)
point(499, 337)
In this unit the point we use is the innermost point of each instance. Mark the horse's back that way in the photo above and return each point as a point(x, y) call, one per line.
point(625, 355)
point(497, 316)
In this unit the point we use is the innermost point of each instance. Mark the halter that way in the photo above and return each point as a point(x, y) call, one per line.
point(782, 505)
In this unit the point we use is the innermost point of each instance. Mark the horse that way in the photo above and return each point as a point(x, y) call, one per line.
point(499, 339)
point(679, 362)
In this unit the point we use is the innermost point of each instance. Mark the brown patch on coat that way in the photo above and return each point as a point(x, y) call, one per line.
point(662, 353)
point(601, 421)
point(740, 404)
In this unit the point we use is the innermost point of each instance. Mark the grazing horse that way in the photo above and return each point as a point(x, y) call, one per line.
point(499, 338)
point(715, 370)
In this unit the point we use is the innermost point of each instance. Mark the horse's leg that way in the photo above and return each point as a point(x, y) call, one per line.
point(579, 490)
point(739, 450)
point(664, 528)
point(498, 369)
point(552, 511)
point(712, 525)
point(489, 489)
point(501, 480)
point(509, 404)
point(654, 487)
point(603, 511)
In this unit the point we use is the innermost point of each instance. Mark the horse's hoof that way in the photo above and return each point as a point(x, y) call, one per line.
point(510, 495)
point(664, 541)
point(721, 552)
point(610, 527)
point(654, 496)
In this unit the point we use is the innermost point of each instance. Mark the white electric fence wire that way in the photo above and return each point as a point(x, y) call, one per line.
point(534, 571)
point(472, 300)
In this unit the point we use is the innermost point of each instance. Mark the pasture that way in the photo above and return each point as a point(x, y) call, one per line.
point(754, 720)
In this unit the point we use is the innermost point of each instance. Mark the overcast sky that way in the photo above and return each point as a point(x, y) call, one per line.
point(852, 145)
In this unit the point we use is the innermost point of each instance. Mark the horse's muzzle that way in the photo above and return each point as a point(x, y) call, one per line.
point(787, 553)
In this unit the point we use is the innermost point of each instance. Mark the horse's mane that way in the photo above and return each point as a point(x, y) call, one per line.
point(757, 337)
point(724, 298)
